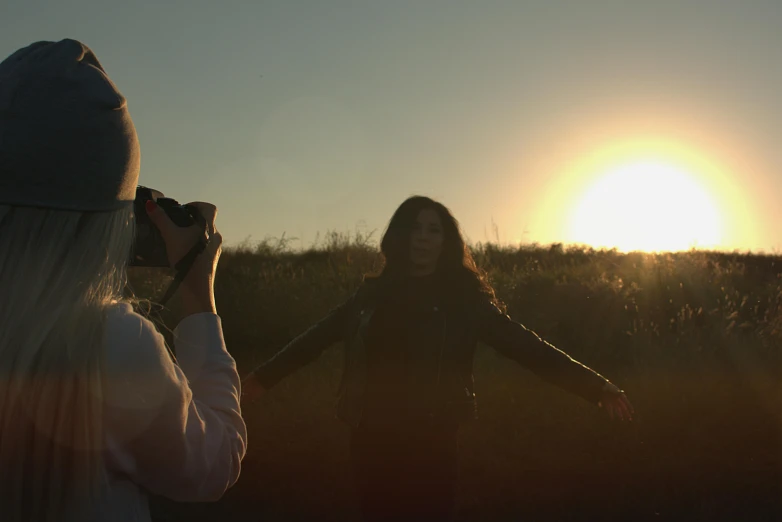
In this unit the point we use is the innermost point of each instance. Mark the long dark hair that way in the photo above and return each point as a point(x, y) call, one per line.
point(456, 268)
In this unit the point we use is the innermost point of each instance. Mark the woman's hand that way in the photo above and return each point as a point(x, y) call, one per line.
point(197, 289)
point(615, 403)
point(252, 389)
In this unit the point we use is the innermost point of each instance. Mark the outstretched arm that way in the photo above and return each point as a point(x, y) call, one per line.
point(300, 351)
point(524, 346)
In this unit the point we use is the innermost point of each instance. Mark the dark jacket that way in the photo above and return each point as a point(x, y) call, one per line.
point(445, 339)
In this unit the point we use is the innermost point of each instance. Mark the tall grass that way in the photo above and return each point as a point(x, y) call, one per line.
point(694, 338)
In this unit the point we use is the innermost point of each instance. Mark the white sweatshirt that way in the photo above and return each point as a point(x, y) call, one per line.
point(171, 429)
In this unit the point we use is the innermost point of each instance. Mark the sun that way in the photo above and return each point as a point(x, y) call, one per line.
point(649, 206)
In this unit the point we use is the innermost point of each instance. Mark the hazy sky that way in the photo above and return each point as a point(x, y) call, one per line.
point(303, 117)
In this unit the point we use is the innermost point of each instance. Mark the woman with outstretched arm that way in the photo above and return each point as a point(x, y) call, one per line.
point(410, 335)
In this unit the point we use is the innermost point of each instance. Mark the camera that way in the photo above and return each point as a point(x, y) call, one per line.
point(149, 249)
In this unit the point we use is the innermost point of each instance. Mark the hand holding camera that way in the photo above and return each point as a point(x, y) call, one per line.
point(183, 237)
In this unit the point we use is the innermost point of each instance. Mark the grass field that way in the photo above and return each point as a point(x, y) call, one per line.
point(694, 338)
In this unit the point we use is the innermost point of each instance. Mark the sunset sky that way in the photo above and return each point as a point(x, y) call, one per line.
point(635, 124)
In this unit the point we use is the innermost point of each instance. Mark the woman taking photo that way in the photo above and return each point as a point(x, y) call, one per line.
point(410, 334)
point(94, 413)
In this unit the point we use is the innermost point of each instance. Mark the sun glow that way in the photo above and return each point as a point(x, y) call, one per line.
point(646, 206)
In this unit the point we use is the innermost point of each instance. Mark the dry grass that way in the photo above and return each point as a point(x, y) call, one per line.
point(694, 338)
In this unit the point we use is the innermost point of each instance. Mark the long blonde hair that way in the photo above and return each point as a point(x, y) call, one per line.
point(59, 273)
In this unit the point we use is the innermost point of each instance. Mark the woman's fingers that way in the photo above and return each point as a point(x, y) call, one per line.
point(628, 409)
point(618, 408)
point(179, 240)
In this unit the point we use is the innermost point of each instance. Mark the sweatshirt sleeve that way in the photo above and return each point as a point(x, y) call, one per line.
point(174, 429)
point(524, 346)
point(305, 348)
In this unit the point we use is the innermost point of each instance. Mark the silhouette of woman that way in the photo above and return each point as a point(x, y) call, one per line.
point(410, 334)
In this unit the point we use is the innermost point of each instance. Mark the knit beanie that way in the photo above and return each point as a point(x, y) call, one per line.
point(66, 138)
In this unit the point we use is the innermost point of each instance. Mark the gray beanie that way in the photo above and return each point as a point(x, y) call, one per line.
point(66, 138)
